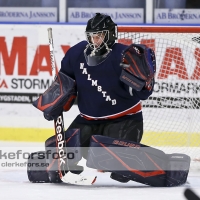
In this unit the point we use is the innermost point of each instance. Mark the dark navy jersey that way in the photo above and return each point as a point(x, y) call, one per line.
point(101, 94)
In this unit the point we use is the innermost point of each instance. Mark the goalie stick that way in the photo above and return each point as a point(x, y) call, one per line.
point(59, 132)
point(190, 195)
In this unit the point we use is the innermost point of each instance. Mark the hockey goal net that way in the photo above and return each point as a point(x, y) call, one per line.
point(172, 113)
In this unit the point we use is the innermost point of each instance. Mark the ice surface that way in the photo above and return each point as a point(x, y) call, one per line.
point(14, 185)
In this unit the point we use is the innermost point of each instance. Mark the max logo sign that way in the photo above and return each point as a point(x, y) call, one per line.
point(18, 57)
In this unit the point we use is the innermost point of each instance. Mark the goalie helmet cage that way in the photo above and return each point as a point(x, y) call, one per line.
point(172, 113)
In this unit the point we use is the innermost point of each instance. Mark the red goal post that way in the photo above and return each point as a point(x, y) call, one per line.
point(172, 113)
point(160, 29)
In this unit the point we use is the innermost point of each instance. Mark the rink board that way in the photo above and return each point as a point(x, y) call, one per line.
point(149, 138)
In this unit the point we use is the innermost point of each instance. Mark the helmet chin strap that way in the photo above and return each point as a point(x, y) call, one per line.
point(94, 48)
point(107, 48)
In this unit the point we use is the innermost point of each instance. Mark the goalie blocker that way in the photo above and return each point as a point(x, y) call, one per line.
point(128, 160)
point(58, 97)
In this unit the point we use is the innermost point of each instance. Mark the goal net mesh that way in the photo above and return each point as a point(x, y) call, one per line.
point(172, 113)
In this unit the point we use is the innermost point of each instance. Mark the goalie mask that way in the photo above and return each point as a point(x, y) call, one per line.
point(101, 33)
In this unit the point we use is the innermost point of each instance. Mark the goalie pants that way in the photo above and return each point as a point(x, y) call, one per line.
point(127, 129)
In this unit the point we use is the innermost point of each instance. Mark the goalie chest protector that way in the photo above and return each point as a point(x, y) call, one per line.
point(101, 94)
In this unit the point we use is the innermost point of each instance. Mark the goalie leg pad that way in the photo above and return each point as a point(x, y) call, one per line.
point(73, 151)
point(178, 169)
point(36, 168)
point(132, 161)
point(57, 98)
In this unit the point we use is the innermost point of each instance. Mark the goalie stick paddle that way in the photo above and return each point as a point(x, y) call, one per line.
point(65, 175)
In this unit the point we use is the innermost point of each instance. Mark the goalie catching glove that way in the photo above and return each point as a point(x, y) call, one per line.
point(58, 97)
point(139, 67)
